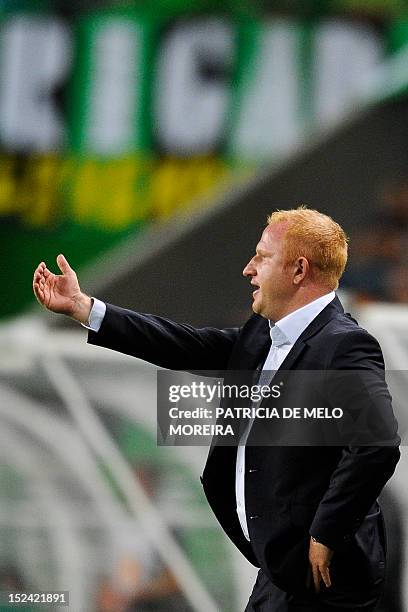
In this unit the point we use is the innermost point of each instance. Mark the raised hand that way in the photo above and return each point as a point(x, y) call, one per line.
point(61, 292)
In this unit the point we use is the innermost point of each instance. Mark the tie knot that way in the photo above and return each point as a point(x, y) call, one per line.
point(278, 337)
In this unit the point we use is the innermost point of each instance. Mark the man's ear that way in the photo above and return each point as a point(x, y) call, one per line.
point(301, 270)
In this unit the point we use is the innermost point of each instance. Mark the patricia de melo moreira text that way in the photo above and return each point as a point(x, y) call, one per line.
point(208, 393)
point(205, 429)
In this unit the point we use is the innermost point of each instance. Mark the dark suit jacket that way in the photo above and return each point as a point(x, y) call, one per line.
point(292, 491)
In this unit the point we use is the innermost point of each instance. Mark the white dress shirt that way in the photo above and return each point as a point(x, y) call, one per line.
point(96, 316)
point(284, 334)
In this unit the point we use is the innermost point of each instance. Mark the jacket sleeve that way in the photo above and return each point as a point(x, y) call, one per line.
point(163, 342)
point(362, 471)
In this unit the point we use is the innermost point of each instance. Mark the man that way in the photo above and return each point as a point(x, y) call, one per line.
point(306, 515)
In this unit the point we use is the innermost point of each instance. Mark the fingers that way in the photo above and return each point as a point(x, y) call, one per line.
point(39, 294)
point(325, 574)
point(316, 578)
point(319, 573)
point(38, 278)
point(39, 270)
point(41, 274)
point(64, 265)
point(38, 274)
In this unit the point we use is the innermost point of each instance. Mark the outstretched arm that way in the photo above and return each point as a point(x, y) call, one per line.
point(61, 293)
point(164, 342)
point(151, 338)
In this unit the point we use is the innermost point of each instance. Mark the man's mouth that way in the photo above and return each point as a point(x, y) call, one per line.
point(256, 289)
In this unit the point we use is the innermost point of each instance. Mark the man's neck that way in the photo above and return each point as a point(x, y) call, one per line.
point(303, 300)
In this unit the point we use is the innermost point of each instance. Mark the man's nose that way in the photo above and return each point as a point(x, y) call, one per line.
point(249, 269)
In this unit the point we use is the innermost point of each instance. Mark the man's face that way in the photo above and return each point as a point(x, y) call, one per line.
point(269, 274)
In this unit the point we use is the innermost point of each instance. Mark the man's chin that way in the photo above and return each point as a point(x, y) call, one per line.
point(256, 307)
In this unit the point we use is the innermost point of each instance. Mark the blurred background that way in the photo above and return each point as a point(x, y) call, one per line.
point(147, 141)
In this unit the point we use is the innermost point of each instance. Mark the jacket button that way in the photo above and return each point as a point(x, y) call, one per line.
point(251, 470)
point(255, 516)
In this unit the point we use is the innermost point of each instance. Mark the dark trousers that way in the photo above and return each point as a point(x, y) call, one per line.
point(266, 597)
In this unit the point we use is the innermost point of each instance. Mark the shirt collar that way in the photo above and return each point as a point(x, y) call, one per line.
point(288, 329)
